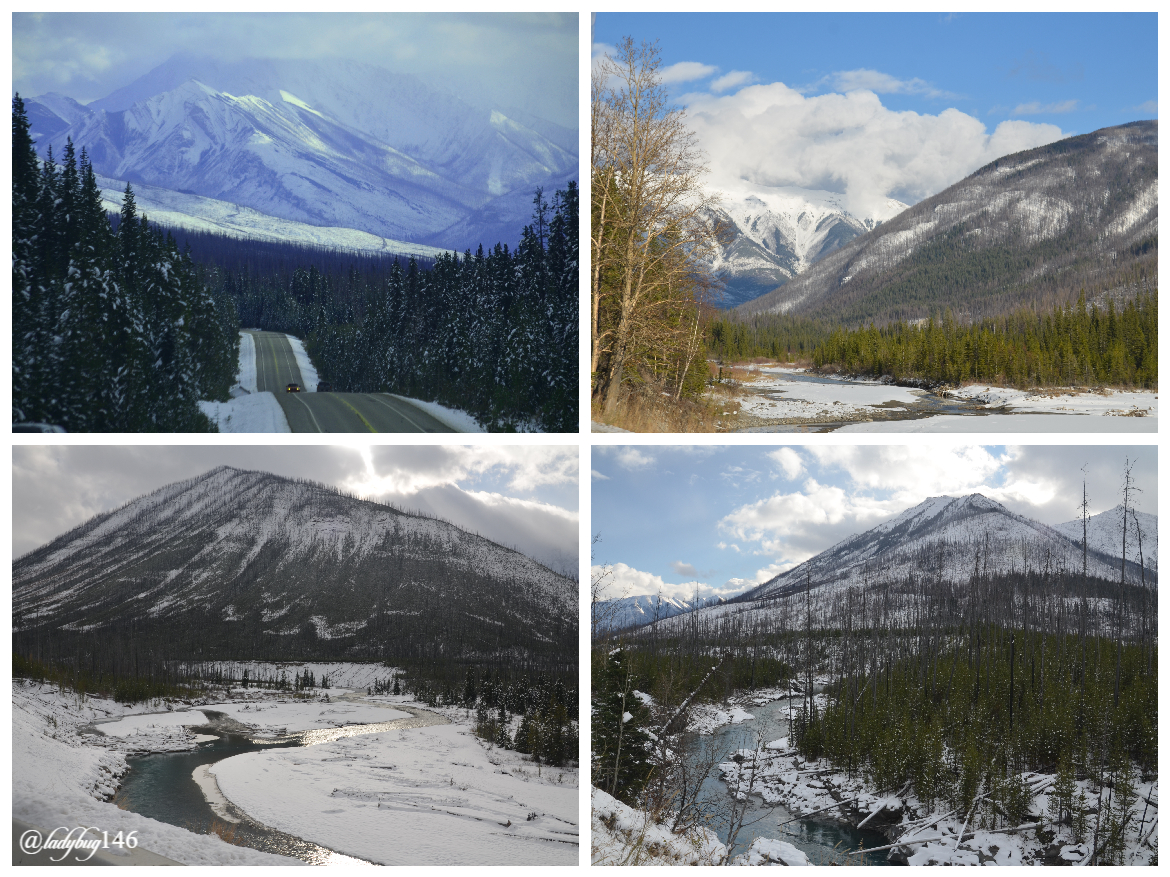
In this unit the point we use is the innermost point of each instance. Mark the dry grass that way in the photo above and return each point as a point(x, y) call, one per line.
point(651, 412)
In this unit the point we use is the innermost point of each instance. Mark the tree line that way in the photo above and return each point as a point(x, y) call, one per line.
point(493, 332)
point(1077, 344)
point(112, 330)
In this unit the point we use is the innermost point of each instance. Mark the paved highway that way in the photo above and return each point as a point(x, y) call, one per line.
point(276, 368)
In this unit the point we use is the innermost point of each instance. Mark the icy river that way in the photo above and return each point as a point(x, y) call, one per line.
point(164, 786)
point(821, 841)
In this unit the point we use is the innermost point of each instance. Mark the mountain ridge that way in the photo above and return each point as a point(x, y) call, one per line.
point(307, 142)
point(251, 561)
point(1037, 225)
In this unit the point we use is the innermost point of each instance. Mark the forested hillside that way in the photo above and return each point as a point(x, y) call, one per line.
point(237, 565)
point(1032, 229)
point(111, 332)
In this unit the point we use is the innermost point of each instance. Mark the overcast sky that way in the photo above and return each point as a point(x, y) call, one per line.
point(524, 497)
point(725, 519)
point(527, 60)
point(890, 104)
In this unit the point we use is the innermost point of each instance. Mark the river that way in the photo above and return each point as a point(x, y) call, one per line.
point(162, 786)
point(822, 842)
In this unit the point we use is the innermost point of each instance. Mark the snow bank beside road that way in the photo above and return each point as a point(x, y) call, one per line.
point(259, 412)
point(309, 379)
point(460, 421)
point(247, 370)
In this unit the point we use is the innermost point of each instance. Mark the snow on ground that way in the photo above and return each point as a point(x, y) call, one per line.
point(59, 779)
point(807, 787)
point(247, 372)
point(1102, 403)
point(284, 717)
point(460, 421)
point(248, 410)
point(147, 723)
point(259, 412)
point(342, 674)
point(622, 835)
point(309, 379)
point(434, 795)
point(773, 395)
point(1013, 423)
point(705, 718)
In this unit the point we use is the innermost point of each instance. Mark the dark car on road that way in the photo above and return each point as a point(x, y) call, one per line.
point(293, 388)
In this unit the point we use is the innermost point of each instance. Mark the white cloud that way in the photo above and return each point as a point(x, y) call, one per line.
point(631, 457)
point(1035, 108)
point(912, 473)
point(684, 569)
point(882, 83)
point(731, 79)
point(597, 476)
point(788, 460)
point(1150, 106)
point(774, 136)
point(794, 526)
point(625, 581)
point(686, 71)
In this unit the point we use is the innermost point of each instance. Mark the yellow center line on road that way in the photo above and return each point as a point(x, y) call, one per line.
point(369, 426)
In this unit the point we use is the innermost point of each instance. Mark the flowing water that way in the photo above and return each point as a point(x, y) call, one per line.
point(162, 787)
point(926, 405)
point(822, 841)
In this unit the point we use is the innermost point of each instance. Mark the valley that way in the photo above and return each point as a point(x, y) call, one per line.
point(975, 686)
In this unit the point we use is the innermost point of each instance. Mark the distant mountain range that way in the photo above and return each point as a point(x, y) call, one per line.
point(647, 608)
point(243, 565)
point(777, 233)
point(936, 540)
point(1035, 227)
point(337, 144)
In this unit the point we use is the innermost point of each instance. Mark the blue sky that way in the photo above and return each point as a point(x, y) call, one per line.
point(483, 57)
point(729, 518)
point(891, 104)
point(524, 497)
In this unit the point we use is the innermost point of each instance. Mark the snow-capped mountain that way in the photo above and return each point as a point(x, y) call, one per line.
point(647, 608)
point(942, 538)
point(179, 210)
point(1043, 224)
point(1105, 534)
point(253, 564)
point(776, 233)
point(340, 144)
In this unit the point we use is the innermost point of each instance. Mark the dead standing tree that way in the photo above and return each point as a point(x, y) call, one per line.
point(653, 231)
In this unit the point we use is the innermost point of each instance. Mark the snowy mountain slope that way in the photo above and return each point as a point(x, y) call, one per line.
point(343, 144)
point(1078, 212)
point(198, 213)
point(939, 538)
point(647, 608)
point(1105, 535)
point(777, 233)
point(255, 563)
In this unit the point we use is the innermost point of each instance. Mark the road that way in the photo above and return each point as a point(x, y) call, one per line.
point(276, 368)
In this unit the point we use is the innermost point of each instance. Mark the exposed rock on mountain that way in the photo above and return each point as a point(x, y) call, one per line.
point(1036, 227)
point(340, 144)
point(243, 565)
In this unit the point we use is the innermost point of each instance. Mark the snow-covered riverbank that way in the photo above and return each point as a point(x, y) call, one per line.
point(784, 397)
point(409, 786)
point(62, 776)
